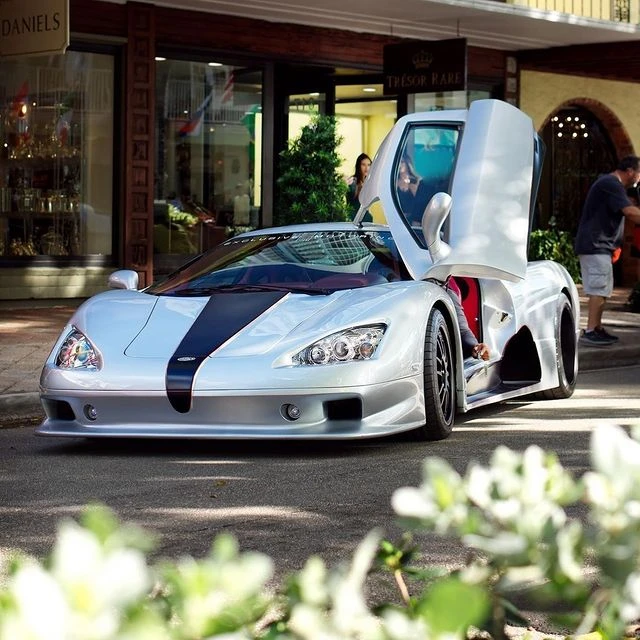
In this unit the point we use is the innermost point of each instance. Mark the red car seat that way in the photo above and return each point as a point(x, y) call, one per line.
point(469, 291)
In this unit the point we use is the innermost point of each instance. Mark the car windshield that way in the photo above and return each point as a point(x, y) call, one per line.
point(313, 262)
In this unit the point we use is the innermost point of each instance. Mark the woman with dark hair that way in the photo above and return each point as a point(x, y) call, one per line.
point(355, 182)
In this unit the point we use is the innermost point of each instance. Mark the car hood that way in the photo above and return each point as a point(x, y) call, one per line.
point(295, 317)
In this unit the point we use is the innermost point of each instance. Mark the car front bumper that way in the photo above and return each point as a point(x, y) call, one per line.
point(326, 413)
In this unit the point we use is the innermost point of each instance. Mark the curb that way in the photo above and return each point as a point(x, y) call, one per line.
point(19, 407)
point(594, 358)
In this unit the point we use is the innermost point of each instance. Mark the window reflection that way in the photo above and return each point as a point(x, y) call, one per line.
point(448, 99)
point(208, 177)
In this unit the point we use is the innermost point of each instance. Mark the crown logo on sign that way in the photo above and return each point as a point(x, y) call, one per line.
point(422, 59)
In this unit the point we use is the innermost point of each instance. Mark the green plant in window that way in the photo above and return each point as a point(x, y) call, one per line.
point(310, 187)
point(179, 235)
point(177, 216)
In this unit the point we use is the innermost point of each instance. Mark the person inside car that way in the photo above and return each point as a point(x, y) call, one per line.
point(471, 348)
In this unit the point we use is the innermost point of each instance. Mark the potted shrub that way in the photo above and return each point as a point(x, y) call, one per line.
point(309, 187)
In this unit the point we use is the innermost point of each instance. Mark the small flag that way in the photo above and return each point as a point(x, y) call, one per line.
point(194, 126)
point(227, 92)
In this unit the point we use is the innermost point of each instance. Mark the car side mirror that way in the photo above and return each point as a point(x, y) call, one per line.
point(435, 214)
point(124, 279)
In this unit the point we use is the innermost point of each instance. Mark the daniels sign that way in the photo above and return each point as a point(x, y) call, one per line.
point(425, 67)
point(30, 27)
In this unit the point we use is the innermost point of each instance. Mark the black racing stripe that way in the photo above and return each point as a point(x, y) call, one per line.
point(222, 317)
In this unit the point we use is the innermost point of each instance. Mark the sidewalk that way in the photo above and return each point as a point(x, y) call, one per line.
point(28, 329)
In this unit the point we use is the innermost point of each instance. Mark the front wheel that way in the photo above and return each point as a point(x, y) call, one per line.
point(566, 352)
point(439, 379)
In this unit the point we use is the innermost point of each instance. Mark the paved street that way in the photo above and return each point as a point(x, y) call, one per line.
point(287, 500)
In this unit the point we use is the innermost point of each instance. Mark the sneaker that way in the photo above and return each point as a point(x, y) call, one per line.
point(601, 331)
point(595, 339)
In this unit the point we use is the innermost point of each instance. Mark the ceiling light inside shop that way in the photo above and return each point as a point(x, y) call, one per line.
point(314, 94)
point(160, 59)
point(215, 64)
point(369, 89)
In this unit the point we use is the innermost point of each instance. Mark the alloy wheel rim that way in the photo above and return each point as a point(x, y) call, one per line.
point(443, 374)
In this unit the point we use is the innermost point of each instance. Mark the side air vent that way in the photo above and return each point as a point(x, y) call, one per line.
point(58, 410)
point(348, 409)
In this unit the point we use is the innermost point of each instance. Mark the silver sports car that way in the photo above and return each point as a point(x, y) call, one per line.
point(340, 330)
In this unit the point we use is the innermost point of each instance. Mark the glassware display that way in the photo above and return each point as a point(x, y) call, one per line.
point(56, 156)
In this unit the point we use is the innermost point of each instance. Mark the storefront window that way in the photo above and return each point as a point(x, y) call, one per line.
point(208, 149)
point(56, 155)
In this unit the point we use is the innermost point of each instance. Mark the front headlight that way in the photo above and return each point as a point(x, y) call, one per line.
point(77, 352)
point(358, 343)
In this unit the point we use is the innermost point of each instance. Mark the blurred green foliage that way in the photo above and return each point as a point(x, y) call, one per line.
point(556, 245)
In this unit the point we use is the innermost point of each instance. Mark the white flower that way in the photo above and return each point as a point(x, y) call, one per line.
point(350, 614)
point(615, 455)
point(409, 502)
point(97, 582)
point(568, 539)
point(479, 483)
point(630, 609)
point(309, 622)
point(40, 613)
point(440, 501)
point(222, 581)
point(613, 489)
point(502, 545)
point(345, 614)
point(398, 626)
point(505, 511)
point(312, 581)
point(534, 475)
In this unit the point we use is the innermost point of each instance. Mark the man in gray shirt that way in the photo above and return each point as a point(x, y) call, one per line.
point(599, 238)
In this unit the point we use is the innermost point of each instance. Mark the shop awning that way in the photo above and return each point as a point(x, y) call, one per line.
point(485, 23)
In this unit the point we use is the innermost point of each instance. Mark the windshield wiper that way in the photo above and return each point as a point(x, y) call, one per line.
point(248, 288)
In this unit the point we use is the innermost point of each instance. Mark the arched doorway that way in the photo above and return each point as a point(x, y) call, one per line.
point(579, 149)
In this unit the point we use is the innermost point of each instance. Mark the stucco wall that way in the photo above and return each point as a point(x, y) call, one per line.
point(542, 93)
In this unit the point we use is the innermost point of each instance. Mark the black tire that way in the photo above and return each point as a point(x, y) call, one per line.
point(566, 352)
point(439, 379)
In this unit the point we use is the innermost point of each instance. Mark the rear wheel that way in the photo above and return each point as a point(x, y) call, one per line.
point(566, 352)
point(439, 379)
